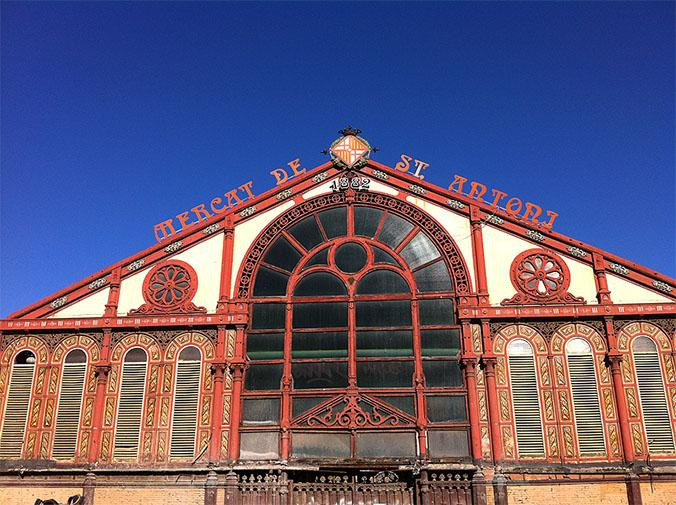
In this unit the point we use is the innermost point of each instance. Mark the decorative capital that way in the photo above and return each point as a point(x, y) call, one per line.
point(101, 371)
point(613, 360)
point(218, 369)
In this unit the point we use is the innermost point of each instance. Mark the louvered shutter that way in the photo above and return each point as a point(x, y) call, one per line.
point(186, 399)
point(16, 410)
point(68, 412)
point(653, 401)
point(130, 410)
point(588, 421)
point(526, 403)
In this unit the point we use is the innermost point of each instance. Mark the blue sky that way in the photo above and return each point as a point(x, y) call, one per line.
point(115, 116)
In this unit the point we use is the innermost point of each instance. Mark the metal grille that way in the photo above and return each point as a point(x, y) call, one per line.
point(68, 412)
point(130, 410)
point(588, 420)
point(16, 412)
point(186, 398)
point(653, 402)
point(526, 406)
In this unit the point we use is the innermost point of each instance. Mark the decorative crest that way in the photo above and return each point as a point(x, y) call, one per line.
point(350, 151)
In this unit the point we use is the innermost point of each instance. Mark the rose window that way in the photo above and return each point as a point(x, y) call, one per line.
point(540, 277)
point(169, 287)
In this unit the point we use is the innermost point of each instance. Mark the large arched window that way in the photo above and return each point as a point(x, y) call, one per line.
point(652, 396)
point(130, 409)
point(353, 300)
point(186, 399)
point(525, 398)
point(16, 409)
point(70, 405)
point(588, 420)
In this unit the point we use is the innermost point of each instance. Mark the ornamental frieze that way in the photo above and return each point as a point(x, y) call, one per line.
point(51, 340)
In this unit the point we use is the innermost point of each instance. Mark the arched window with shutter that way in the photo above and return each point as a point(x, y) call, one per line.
point(525, 398)
point(588, 421)
point(651, 391)
point(16, 409)
point(130, 406)
point(73, 376)
point(186, 400)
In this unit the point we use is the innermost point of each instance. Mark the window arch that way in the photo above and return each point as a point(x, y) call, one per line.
point(348, 299)
point(525, 398)
point(130, 407)
point(585, 394)
point(16, 407)
point(73, 377)
point(652, 397)
point(186, 401)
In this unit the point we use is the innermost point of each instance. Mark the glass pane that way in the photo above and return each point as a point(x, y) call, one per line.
point(451, 444)
point(383, 374)
point(334, 222)
point(382, 281)
point(267, 316)
point(25, 358)
point(350, 258)
point(366, 221)
point(386, 445)
point(446, 409)
point(270, 282)
point(321, 258)
point(385, 343)
point(260, 411)
point(319, 344)
point(307, 233)
point(403, 403)
point(394, 230)
point(433, 277)
point(440, 342)
point(644, 344)
point(384, 313)
point(436, 312)
point(419, 250)
point(190, 353)
point(320, 315)
point(323, 375)
point(382, 256)
point(441, 374)
point(282, 254)
point(301, 404)
point(265, 346)
point(318, 284)
point(259, 445)
point(262, 377)
point(321, 445)
point(78, 355)
point(135, 355)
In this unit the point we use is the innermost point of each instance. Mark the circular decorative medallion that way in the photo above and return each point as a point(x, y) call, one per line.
point(169, 287)
point(540, 277)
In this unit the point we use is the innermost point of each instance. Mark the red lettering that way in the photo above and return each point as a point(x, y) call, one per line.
point(295, 164)
point(280, 175)
point(404, 164)
point(247, 187)
point(552, 215)
point(499, 195)
point(199, 211)
point(184, 220)
point(421, 165)
point(215, 202)
point(459, 181)
point(165, 228)
point(537, 210)
point(510, 207)
point(232, 196)
point(479, 194)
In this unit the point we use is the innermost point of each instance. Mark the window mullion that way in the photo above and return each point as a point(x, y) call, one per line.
point(285, 419)
point(351, 343)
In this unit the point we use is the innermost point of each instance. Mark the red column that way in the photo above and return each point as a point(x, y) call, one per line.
point(285, 420)
point(237, 366)
point(113, 294)
point(226, 268)
point(602, 291)
point(469, 362)
point(218, 368)
point(489, 361)
point(101, 370)
point(478, 254)
point(614, 360)
point(419, 383)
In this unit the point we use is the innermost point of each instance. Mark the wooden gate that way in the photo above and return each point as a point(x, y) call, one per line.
point(382, 488)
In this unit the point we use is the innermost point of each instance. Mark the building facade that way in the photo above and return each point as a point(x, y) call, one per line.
point(353, 336)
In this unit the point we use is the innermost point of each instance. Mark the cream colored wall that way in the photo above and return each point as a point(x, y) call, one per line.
point(205, 258)
point(582, 280)
point(92, 306)
point(247, 232)
point(457, 226)
point(500, 249)
point(318, 190)
point(611, 493)
point(374, 186)
point(27, 494)
point(623, 291)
